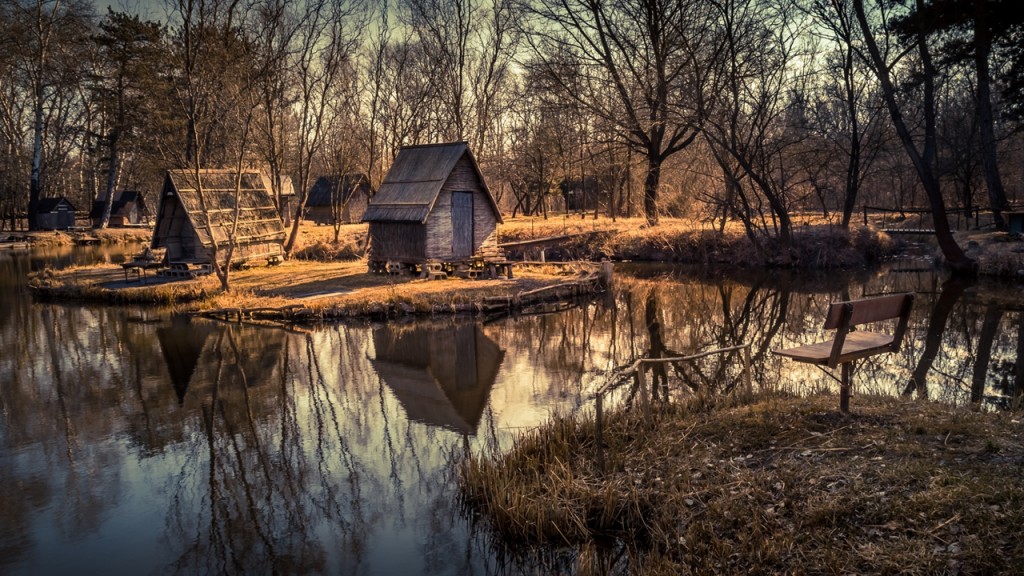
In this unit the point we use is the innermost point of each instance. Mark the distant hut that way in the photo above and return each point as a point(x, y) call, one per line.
point(442, 376)
point(347, 197)
point(580, 195)
point(181, 225)
point(432, 206)
point(285, 196)
point(128, 209)
point(55, 214)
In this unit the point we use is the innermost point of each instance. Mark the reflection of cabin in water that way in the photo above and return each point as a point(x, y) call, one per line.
point(441, 376)
point(432, 206)
point(128, 209)
point(55, 214)
point(188, 232)
point(343, 199)
point(202, 354)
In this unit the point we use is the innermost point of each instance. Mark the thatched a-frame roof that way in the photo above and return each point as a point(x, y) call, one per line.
point(188, 230)
point(412, 185)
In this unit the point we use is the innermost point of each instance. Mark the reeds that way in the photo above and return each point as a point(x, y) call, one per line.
point(781, 485)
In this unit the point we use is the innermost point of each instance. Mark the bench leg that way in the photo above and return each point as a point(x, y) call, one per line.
point(844, 387)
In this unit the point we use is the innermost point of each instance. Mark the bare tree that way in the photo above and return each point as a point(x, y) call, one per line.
point(49, 33)
point(753, 128)
point(653, 56)
point(923, 153)
point(327, 41)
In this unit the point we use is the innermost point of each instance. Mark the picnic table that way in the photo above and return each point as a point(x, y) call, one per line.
point(139, 266)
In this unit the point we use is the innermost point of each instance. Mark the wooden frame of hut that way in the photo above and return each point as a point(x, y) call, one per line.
point(55, 214)
point(433, 206)
point(188, 232)
point(128, 209)
point(347, 197)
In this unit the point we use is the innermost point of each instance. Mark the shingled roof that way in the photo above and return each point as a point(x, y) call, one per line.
point(414, 181)
point(320, 194)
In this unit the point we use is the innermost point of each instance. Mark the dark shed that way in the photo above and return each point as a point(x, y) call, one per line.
point(182, 228)
point(344, 198)
point(55, 214)
point(432, 206)
point(129, 209)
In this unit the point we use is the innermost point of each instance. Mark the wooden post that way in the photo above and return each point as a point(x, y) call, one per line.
point(645, 401)
point(865, 215)
point(599, 430)
point(606, 273)
point(844, 387)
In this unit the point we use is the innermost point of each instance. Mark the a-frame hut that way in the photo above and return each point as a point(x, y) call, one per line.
point(432, 206)
point(442, 376)
point(344, 199)
point(188, 232)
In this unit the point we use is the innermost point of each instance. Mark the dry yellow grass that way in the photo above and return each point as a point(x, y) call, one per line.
point(324, 289)
point(778, 486)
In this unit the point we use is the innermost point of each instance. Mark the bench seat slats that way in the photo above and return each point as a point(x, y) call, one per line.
point(857, 345)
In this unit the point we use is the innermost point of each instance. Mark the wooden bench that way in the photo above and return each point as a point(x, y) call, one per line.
point(850, 344)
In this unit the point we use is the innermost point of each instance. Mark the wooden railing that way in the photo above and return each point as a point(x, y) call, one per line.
point(637, 371)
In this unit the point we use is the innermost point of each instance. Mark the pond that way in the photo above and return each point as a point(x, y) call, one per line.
point(136, 441)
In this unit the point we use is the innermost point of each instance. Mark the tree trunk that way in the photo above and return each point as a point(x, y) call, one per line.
point(112, 168)
point(984, 354)
point(923, 160)
point(651, 183)
point(993, 181)
point(34, 187)
point(952, 290)
point(853, 165)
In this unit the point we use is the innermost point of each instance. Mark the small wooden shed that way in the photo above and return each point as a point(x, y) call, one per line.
point(188, 232)
point(432, 206)
point(346, 196)
point(128, 209)
point(55, 214)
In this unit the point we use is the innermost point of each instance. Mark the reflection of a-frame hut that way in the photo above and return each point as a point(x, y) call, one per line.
point(196, 351)
point(442, 376)
point(182, 343)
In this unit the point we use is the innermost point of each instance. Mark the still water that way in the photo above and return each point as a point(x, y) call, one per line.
point(133, 441)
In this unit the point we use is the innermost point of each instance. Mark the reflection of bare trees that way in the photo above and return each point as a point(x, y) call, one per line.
point(952, 290)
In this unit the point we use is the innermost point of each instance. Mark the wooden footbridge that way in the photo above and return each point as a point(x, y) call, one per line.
point(539, 245)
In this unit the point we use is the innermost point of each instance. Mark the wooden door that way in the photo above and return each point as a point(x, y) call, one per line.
point(462, 224)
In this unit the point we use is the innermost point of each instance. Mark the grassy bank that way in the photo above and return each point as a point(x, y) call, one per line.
point(299, 289)
point(819, 246)
point(108, 236)
point(780, 485)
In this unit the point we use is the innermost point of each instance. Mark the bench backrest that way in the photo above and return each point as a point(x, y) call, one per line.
point(843, 316)
point(868, 310)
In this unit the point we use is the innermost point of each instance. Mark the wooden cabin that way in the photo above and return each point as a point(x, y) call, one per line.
point(55, 214)
point(128, 209)
point(342, 198)
point(442, 375)
point(285, 199)
point(432, 206)
point(188, 232)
